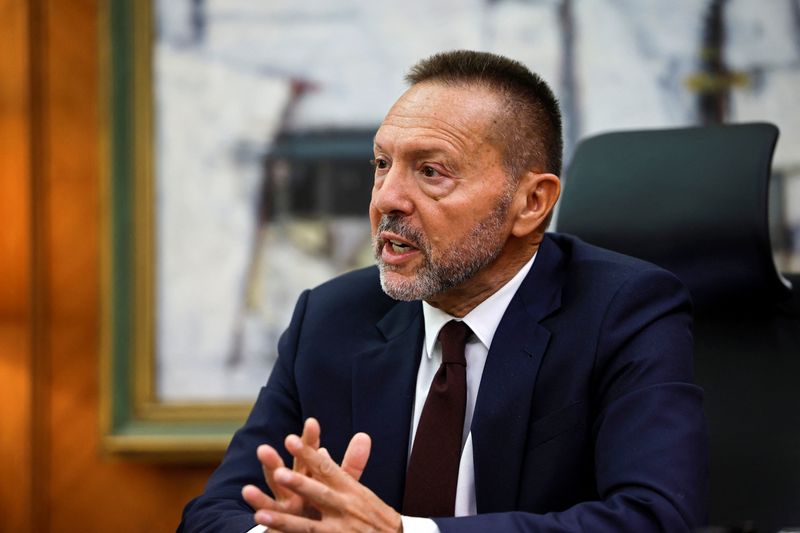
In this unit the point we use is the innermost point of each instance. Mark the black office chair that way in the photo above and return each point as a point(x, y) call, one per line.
point(694, 201)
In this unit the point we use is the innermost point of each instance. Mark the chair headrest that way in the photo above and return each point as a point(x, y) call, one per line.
point(692, 200)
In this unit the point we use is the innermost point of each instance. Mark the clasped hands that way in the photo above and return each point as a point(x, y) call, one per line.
point(317, 495)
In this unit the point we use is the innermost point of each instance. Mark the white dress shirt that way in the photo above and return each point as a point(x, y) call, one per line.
point(483, 321)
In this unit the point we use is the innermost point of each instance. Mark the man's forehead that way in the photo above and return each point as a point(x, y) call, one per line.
point(421, 136)
point(451, 114)
point(416, 147)
point(438, 98)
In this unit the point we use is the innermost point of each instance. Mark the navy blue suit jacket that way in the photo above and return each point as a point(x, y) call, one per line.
point(586, 418)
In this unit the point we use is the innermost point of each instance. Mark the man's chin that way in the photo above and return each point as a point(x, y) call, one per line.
point(401, 286)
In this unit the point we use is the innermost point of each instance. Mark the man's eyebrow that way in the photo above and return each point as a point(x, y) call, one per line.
point(420, 152)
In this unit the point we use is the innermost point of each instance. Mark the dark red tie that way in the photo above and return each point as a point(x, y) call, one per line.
point(433, 468)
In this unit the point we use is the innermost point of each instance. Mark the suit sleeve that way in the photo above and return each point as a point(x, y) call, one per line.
point(648, 429)
point(275, 414)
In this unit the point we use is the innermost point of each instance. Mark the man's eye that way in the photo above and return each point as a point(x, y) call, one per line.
point(380, 163)
point(429, 171)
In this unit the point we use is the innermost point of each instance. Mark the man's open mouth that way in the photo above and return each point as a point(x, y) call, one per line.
point(400, 247)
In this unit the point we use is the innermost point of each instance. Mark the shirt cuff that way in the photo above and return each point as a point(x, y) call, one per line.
point(259, 529)
point(414, 524)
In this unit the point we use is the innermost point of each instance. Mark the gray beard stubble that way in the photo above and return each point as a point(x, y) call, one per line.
point(455, 266)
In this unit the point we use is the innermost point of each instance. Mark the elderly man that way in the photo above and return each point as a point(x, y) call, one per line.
point(487, 375)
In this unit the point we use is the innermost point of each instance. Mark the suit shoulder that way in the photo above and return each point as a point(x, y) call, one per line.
point(587, 256)
point(592, 268)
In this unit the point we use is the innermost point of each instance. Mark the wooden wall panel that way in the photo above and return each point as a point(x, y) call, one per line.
point(14, 160)
point(86, 491)
point(53, 475)
point(15, 281)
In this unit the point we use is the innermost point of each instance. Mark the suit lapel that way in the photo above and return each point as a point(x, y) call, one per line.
point(384, 379)
point(502, 410)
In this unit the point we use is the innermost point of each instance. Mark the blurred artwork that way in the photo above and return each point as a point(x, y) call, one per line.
point(265, 113)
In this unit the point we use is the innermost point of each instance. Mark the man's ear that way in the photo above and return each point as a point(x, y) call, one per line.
point(536, 196)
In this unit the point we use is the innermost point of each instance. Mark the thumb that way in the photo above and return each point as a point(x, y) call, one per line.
point(356, 456)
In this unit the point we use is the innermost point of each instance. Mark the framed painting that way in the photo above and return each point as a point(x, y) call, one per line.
point(134, 417)
point(221, 207)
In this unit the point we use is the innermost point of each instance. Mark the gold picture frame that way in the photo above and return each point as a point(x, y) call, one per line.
point(133, 420)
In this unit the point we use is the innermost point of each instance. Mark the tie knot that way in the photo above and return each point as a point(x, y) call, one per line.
point(453, 337)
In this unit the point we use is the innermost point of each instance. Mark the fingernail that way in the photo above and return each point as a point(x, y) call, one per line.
point(294, 442)
point(283, 474)
point(264, 518)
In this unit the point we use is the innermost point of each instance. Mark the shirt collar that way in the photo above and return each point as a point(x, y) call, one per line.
point(483, 320)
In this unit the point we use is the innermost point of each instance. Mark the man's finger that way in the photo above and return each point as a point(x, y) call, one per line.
point(271, 461)
point(311, 433)
point(319, 465)
point(287, 523)
point(257, 499)
point(357, 455)
point(310, 438)
point(269, 457)
point(315, 492)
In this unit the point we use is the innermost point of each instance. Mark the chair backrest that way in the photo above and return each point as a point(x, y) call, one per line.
point(694, 201)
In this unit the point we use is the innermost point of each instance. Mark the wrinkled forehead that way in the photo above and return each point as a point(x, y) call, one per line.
point(438, 99)
point(468, 112)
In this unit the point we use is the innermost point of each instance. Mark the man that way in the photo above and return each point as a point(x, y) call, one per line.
point(570, 386)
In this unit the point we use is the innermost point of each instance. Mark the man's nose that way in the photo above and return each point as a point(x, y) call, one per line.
point(392, 194)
